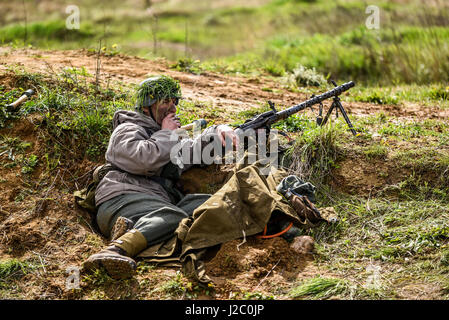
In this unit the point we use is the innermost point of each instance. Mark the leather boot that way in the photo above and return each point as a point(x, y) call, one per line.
point(117, 258)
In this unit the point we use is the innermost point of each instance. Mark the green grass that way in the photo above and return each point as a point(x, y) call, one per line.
point(74, 109)
point(44, 32)
point(396, 228)
point(376, 151)
point(384, 61)
point(315, 152)
point(408, 228)
point(98, 277)
point(178, 287)
point(435, 95)
point(401, 225)
point(320, 288)
point(387, 233)
point(7, 97)
point(13, 269)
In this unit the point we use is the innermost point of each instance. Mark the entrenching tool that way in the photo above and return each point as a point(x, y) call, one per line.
point(26, 95)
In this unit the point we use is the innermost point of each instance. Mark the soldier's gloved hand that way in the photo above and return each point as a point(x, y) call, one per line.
point(224, 131)
point(170, 122)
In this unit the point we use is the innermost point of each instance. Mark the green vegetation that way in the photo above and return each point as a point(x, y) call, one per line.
point(434, 95)
point(189, 111)
point(178, 287)
point(303, 77)
point(315, 152)
point(160, 88)
point(328, 288)
point(98, 277)
point(51, 31)
point(188, 65)
point(5, 99)
point(73, 110)
point(12, 270)
point(406, 239)
point(320, 288)
point(16, 151)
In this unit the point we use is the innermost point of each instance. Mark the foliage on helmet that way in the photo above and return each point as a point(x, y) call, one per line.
point(157, 88)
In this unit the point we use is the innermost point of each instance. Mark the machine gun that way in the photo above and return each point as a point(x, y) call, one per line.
point(266, 119)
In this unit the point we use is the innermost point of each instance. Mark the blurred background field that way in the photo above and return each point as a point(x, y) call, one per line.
point(252, 37)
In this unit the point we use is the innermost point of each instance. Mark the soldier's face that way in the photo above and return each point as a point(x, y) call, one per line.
point(162, 109)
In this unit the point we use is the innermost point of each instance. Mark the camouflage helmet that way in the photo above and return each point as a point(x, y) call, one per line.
point(156, 88)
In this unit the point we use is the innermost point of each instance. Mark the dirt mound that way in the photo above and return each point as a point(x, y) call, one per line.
point(251, 263)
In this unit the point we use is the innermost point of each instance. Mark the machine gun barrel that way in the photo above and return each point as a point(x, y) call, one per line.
point(308, 103)
point(266, 119)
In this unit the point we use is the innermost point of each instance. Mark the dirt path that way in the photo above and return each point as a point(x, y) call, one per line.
point(232, 92)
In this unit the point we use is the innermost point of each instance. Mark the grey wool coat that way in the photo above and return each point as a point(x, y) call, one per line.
point(140, 149)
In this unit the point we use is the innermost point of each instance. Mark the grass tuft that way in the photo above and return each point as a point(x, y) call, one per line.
point(304, 77)
point(315, 153)
point(320, 288)
point(14, 269)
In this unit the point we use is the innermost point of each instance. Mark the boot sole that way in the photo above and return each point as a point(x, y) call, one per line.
point(117, 268)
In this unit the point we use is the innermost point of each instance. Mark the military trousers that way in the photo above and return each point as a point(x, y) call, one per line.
point(154, 217)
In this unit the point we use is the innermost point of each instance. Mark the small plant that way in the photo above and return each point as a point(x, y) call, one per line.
point(304, 77)
point(376, 151)
point(98, 277)
point(159, 88)
point(143, 267)
point(256, 296)
point(7, 97)
point(14, 269)
point(274, 69)
point(12, 144)
point(378, 97)
point(444, 260)
point(29, 164)
point(188, 65)
point(294, 123)
point(440, 93)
